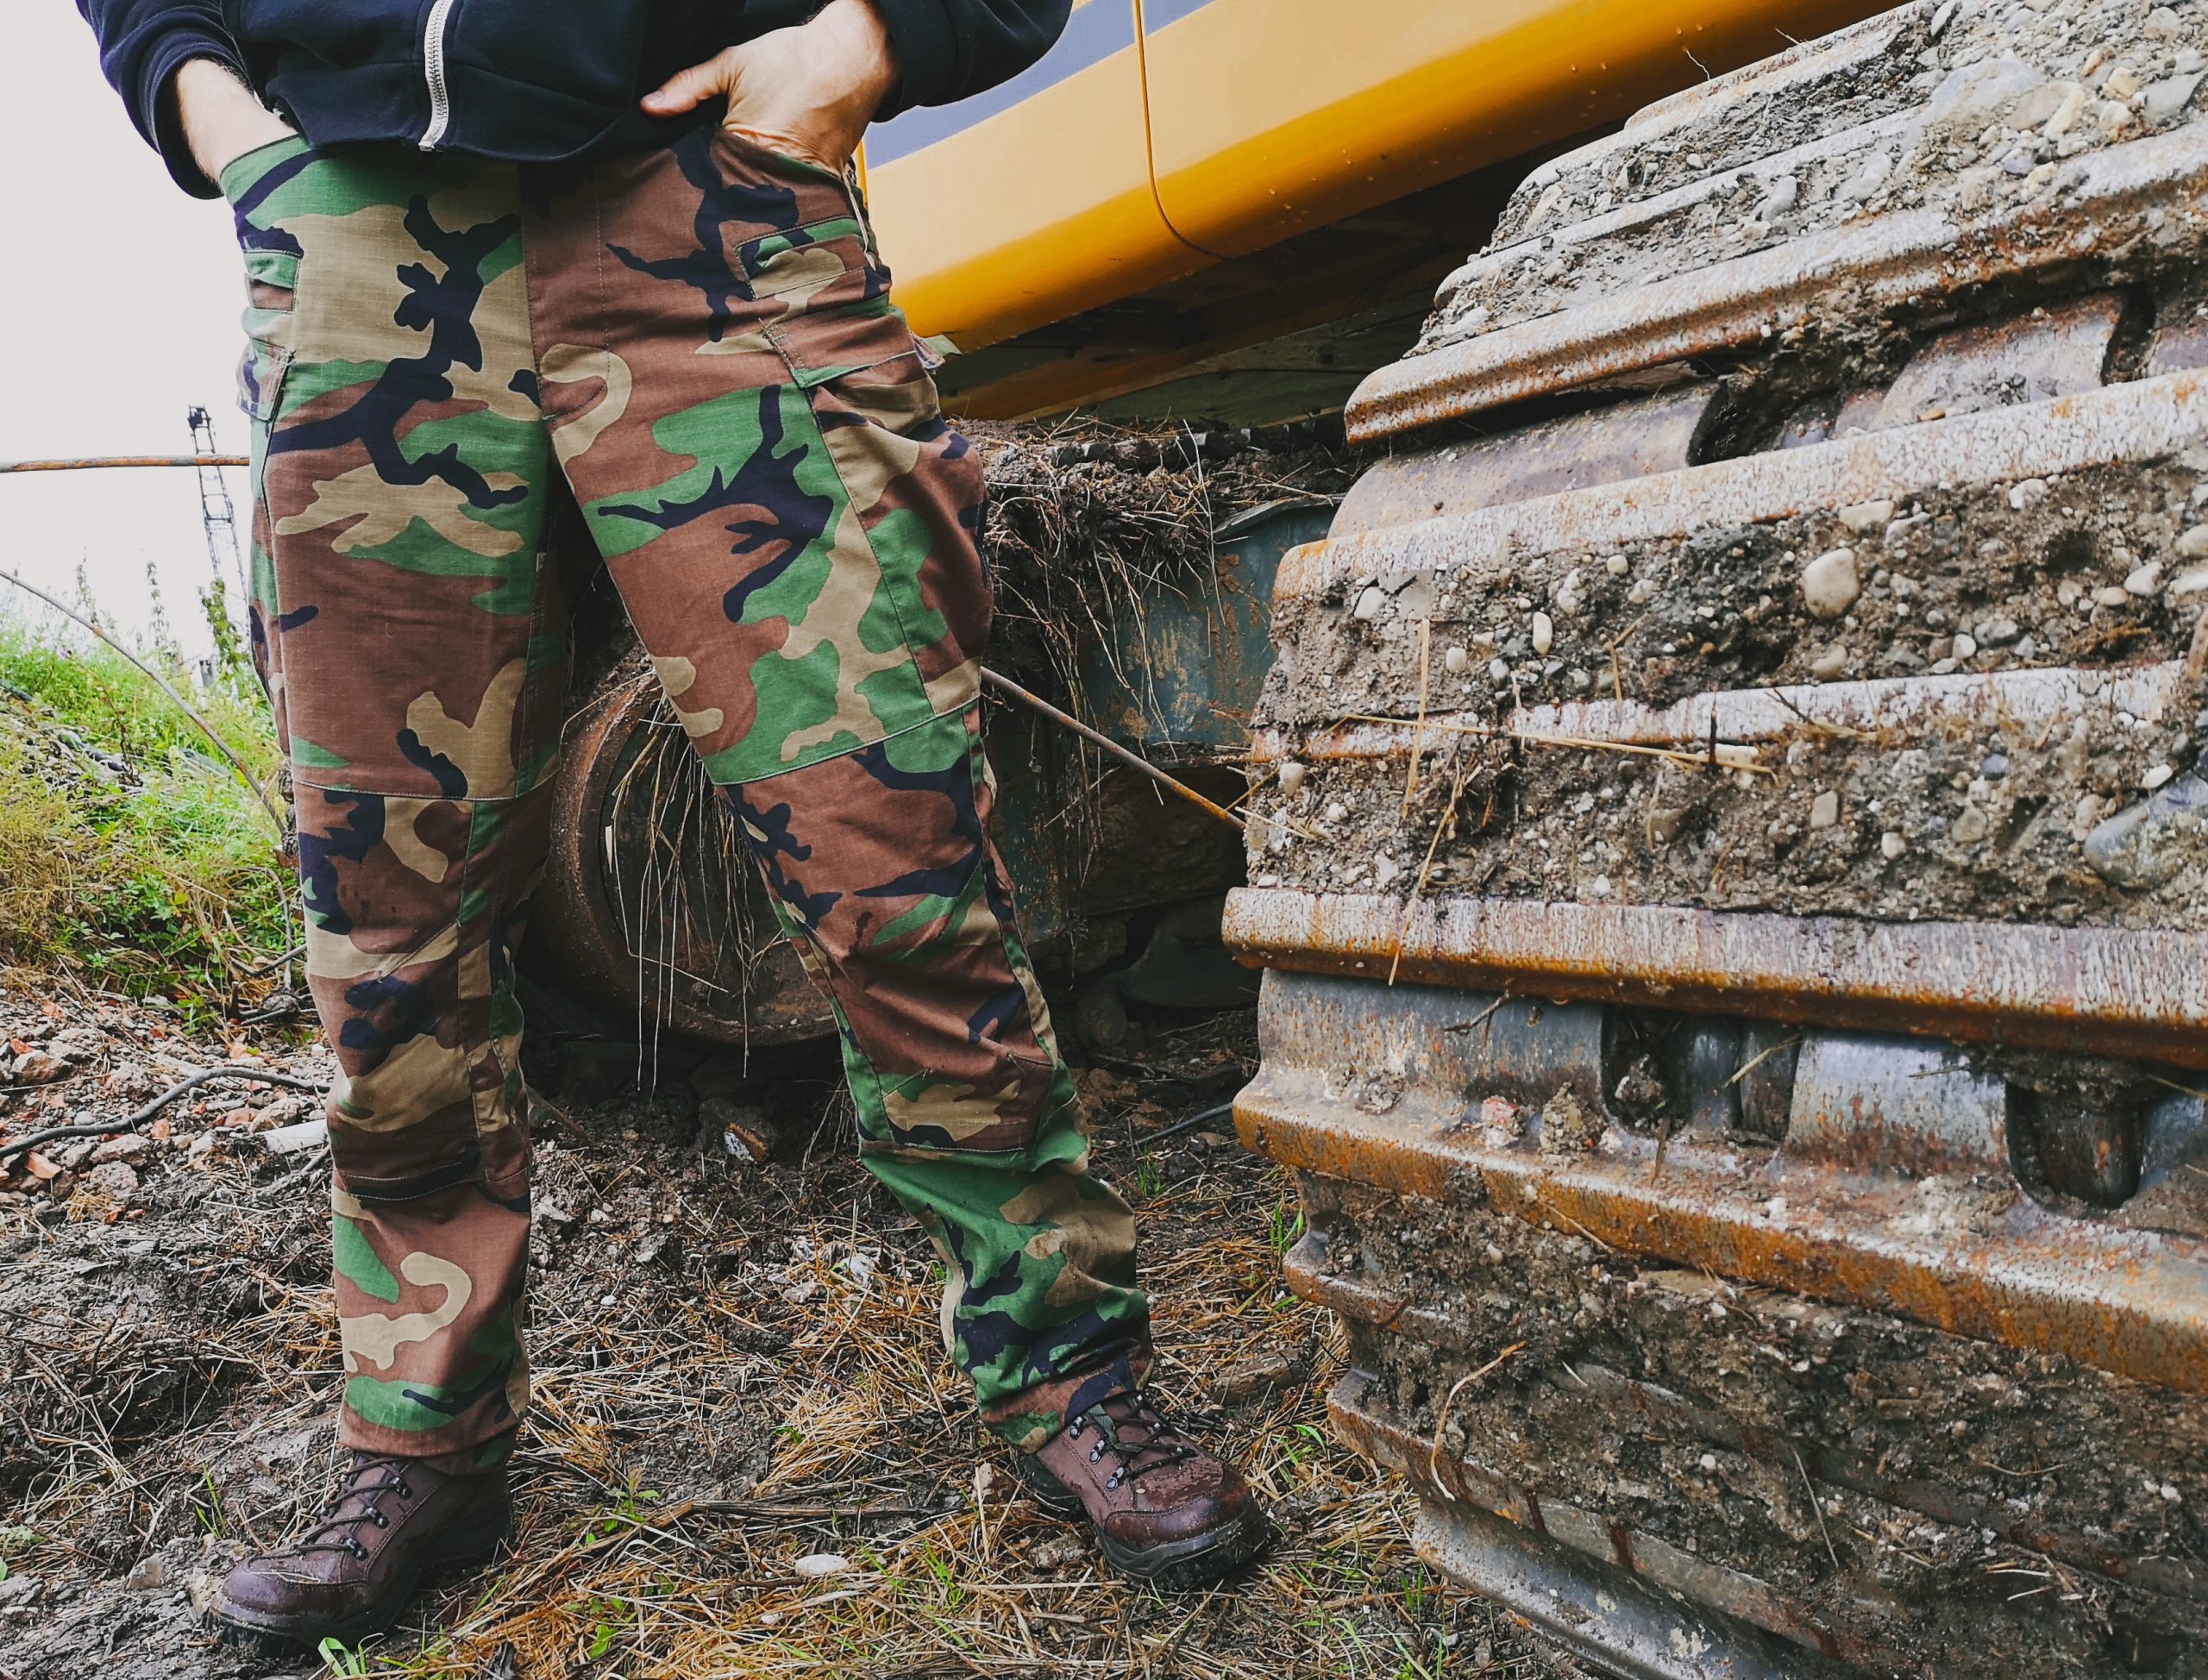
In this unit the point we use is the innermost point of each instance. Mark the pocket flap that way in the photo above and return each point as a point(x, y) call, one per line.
point(279, 269)
point(821, 348)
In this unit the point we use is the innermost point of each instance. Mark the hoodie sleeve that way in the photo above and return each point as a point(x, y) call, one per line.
point(142, 44)
point(949, 49)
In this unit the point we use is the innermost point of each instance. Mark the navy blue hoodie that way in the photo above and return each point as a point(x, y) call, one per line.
point(530, 80)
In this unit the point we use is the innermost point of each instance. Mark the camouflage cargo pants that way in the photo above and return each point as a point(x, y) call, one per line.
point(700, 341)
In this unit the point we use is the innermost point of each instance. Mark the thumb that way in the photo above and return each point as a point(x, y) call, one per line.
point(687, 89)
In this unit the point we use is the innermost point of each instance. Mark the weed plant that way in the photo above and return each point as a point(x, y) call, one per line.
point(129, 852)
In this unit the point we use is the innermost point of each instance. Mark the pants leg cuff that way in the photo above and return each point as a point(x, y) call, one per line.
point(1028, 1420)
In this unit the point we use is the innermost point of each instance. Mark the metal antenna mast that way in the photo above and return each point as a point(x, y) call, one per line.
point(215, 513)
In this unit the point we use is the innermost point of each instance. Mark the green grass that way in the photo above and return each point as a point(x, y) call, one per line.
point(163, 877)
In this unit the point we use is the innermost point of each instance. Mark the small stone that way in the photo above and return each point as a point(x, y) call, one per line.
point(2027, 492)
point(2109, 595)
point(1995, 767)
point(1998, 632)
point(148, 1575)
point(1336, 811)
point(1617, 566)
point(130, 1147)
point(2141, 848)
point(2087, 813)
point(817, 1565)
point(2144, 581)
point(1291, 777)
point(35, 1067)
point(1456, 661)
point(1499, 668)
point(1370, 603)
point(1892, 845)
point(1824, 810)
point(2163, 24)
point(1829, 586)
point(2190, 583)
point(1708, 1460)
point(2171, 1496)
point(2120, 82)
point(2163, 100)
point(1544, 634)
point(1966, 647)
point(1828, 664)
point(2026, 648)
point(2155, 777)
point(2193, 543)
point(2066, 114)
point(2040, 104)
point(1970, 827)
point(1864, 517)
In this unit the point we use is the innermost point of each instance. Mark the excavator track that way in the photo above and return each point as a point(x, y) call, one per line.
point(1729, 862)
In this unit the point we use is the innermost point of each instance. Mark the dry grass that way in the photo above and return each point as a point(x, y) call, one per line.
point(734, 1374)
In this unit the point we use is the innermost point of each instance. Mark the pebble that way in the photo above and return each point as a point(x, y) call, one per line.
point(1616, 566)
point(131, 1147)
point(1544, 633)
point(1824, 810)
point(2190, 583)
point(2193, 544)
point(1499, 668)
point(35, 1067)
point(2109, 595)
point(1456, 661)
point(148, 1575)
point(1291, 777)
point(1995, 767)
point(2163, 100)
point(1892, 845)
point(1828, 664)
point(1966, 647)
point(1369, 604)
point(2145, 580)
point(1336, 811)
point(1864, 517)
point(2163, 24)
point(1970, 827)
point(2120, 82)
point(816, 1565)
point(2155, 777)
point(1998, 632)
point(1829, 586)
point(2027, 492)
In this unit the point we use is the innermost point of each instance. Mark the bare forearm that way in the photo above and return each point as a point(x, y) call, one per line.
point(223, 117)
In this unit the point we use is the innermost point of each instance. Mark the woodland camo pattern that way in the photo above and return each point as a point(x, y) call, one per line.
point(697, 344)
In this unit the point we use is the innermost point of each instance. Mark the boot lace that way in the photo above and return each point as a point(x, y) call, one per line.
point(1160, 1442)
point(375, 1477)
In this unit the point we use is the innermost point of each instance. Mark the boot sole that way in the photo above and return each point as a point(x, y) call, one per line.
point(1188, 1564)
point(279, 1635)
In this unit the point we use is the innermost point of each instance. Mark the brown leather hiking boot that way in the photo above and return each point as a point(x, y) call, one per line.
point(1164, 1509)
point(351, 1574)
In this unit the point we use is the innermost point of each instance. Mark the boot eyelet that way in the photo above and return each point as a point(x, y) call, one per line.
point(1096, 1453)
point(404, 1491)
point(358, 1550)
point(1112, 1480)
point(382, 1521)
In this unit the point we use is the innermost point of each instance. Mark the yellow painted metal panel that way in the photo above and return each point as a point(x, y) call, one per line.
point(1033, 214)
point(1268, 118)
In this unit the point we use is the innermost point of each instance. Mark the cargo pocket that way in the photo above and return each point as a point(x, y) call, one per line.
point(272, 279)
point(914, 483)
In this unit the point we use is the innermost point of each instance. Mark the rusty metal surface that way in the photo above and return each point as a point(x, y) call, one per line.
point(2144, 420)
point(1383, 1087)
point(2054, 352)
point(1631, 441)
point(2138, 994)
point(76, 463)
point(2102, 201)
point(1605, 1556)
point(1600, 1611)
point(2032, 700)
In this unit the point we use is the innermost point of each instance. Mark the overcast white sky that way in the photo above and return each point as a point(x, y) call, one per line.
point(119, 302)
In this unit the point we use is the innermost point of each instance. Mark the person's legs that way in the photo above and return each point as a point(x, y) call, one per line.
point(754, 439)
point(409, 629)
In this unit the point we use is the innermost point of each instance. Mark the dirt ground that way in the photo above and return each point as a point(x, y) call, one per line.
point(738, 1369)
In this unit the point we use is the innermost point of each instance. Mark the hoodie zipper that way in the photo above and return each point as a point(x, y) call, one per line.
point(433, 72)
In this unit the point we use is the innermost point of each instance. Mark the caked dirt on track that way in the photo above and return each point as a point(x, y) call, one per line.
point(737, 1368)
